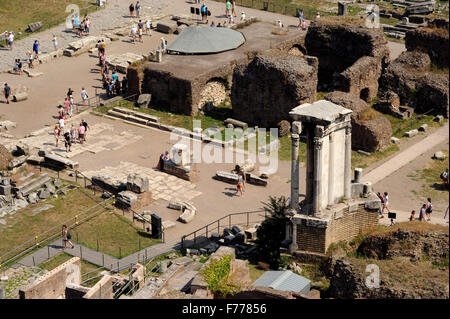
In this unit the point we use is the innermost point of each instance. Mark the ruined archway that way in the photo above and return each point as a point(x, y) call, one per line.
point(365, 94)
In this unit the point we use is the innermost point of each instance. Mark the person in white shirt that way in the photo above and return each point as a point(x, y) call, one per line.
point(148, 27)
point(242, 16)
point(133, 33)
point(55, 43)
point(11, 40)
point(84, 95)
point(61, 124)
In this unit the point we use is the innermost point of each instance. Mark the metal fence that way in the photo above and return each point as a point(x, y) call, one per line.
point(202, 234)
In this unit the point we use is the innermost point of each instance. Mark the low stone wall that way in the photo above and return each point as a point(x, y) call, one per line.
point(183, 173)
point(102, 289)
point(53, 284)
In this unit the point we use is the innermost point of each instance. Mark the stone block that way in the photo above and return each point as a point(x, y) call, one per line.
point(33, 198)
point(43, 193)
point(255, 180)
point(22, 149)
point(227, 232)
point(60, 161)
point(357, 190)
point(188, 215)
point(5, 181)
point(395, 140)
point(358, 175)
point(175, 205)
point(250, 233)
point(191, 251)
point(16, 162)
point(438, 118)
point(21, 96)
point(5, 190)
point(58, 183)
point(127, 198)
point(166, 26)
point(214, 237)
point(229, 239)
point(138, 183)
point(439, 155)
point(423, 127)
point(180, 28)
point(372, 202)
point(49, 186)
point(239, 238)
point(235, 230)
point(236, 123)
point(411, 133)
point(44, 58)
point(144, 100)
point(227, 177)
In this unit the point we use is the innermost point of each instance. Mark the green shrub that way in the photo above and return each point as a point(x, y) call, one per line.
point(216, 276)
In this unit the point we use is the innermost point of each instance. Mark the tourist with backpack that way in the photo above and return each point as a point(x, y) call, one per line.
point(67, 236)
point(203, 11)
point(138, 9)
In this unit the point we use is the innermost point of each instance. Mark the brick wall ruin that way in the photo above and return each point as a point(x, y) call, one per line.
point(282, 82)
point(53, 284)
point(343, 224)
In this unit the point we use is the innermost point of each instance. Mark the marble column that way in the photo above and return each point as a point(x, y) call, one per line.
point(293, 247)
point(348, 162)
point(309, 165)
point(295, 138)
point(317, 174)
point(331, 169)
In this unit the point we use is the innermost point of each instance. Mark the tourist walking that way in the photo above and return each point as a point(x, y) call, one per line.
point(233, 12)
point(203, 11)
point(67, 140)
point(67, 236)
point(148, 27)
point(429, 209)
point(382, 204)
point(87, 25)
point(70, 105)
point(386, 202)
point(422, 214)
point(138, 9)
point(227, 8)
point(133, 33)
point(163, 44)
point(36, 49)
point(55, 43)
point(240, 184)
point(73, 134)
point(124, 85)
point(86, 127)
point(10, 40)
point(66, 105)
point(84, 96)
point(6, 92)
point(56, 134)
point(30, 60)
point(444, 177)
point(131, 10)
point(81, 131)
point(300, 17)
point(140, 30)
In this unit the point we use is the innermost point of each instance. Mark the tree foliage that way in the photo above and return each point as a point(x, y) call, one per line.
point(272, 231)
point(216, 276)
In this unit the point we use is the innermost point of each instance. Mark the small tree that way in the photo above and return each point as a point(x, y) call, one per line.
point(272, 231)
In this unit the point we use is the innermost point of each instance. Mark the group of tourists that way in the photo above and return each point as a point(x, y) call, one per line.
point(424, 212)
point(384, 203)
point(9, 39)
point(70, 135)
point(135, 8)
point(81, 28)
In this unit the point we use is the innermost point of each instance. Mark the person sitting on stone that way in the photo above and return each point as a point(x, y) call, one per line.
point(212, 24)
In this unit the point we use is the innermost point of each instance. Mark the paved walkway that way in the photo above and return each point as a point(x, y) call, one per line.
point(402, 216)
point(440, 135)
point(95, 257)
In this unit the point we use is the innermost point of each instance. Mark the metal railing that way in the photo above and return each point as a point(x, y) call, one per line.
point(240, 219)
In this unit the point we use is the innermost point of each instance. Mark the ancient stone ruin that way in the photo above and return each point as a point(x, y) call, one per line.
point(334, 208)
point(351, 56)
point(282, 82)
point(415, 75)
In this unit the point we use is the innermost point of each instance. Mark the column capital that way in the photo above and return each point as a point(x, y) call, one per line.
point(348, 130)
point(318, 143)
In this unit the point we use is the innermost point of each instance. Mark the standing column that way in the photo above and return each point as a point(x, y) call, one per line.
point(348, 162)
point(317, 174)
point(293, 247)
point(295, 138)
point(331, 170)
point(309, 165)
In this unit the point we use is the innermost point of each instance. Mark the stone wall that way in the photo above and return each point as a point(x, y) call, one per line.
point(432, 39)
point(53, 284)
point(344, 222)
point(339, 42)
point(418, 86)
point(360, 79)
point(102, 289)
point(267, 88)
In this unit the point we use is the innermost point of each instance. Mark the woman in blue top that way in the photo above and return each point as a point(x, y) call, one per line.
point(36, 48)
point(203, 11)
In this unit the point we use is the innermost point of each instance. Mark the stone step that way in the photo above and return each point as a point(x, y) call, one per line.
point(136, 119)
point(60, 161)
point(32, 185)
point(26, 178)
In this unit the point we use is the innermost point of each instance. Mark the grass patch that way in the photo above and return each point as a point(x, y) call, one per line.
point(116, 235)
point(255, 271)
point(18, 14)
point(400, 127)
point(432, 185)
point(209, 119)
point(363, 161)
point(24, 225)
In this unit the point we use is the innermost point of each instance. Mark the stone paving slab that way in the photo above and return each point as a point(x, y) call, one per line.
point(162, 185)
